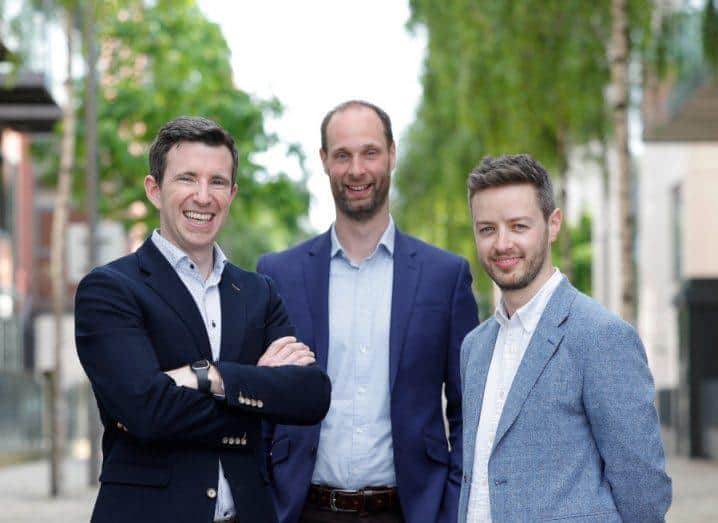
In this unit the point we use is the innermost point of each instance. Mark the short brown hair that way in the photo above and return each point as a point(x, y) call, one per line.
point(513, 170)
point(385, 120)
point(189, 129)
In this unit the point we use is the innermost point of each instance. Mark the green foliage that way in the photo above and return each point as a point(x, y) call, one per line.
point(710, 33)
point(500, 77)
point(162, 59)
point(581, 253)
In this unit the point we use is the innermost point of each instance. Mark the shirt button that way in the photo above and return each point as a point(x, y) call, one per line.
point(361, 390)
point(360, 430)
point(211, 493)
point(363, 349)
point(191, 266)
point(214, 324)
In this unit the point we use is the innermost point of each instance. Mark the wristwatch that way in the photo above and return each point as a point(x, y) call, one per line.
point(201, 370)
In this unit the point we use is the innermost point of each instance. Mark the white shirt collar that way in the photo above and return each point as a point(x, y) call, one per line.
point(530, 314)
point(178, 258)
point(387, 239)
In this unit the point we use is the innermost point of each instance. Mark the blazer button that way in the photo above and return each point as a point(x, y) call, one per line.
point(260, 404)
point(225, 440)
point(211, 493)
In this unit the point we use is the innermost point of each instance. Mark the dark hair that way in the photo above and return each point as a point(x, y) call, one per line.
point(512, 170)
point(188, 129)
point(385, 120)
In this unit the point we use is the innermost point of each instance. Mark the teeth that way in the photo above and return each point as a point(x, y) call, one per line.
point(357, 187)
point(203, 217)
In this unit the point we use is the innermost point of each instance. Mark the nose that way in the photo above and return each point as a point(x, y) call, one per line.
point(201, 195)
point(356, 165)
point(504, 242)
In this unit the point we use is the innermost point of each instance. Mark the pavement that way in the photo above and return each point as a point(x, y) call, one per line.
point(24, 492)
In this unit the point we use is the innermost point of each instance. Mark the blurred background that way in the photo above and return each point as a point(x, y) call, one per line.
point(617, 98)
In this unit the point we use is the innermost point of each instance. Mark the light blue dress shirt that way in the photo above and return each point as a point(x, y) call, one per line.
point(355, 444)
point(206, 297)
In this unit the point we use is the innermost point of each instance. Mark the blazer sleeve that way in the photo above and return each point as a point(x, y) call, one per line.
point(464, 317)
point(118, 356)
point(288, 395)
point(619, 400)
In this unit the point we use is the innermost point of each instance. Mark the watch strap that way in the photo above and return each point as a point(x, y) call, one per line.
point(201, 370)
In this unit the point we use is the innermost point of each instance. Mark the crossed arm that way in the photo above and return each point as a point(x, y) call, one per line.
point(118, 356)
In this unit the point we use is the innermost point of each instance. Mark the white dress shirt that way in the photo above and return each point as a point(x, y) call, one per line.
point(206, 297)
point(355, 447)
point(511, 344)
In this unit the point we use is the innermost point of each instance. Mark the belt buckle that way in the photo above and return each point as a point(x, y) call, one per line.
point(333, 499)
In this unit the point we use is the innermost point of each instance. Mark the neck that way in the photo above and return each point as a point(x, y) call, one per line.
point(515, 299)
point(359, 239)
point(204, 261)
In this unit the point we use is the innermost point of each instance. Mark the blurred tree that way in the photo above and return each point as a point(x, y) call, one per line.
point(159, 60)
point(502, 77)
point(162, 59)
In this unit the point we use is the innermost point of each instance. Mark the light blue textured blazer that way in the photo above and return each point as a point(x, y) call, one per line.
point(578, 439)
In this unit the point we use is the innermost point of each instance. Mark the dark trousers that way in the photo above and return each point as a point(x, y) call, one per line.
point(312, 514)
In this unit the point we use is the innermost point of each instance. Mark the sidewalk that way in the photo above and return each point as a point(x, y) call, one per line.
point(24, 488)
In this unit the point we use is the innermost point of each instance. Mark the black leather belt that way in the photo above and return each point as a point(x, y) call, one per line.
point(365, 501)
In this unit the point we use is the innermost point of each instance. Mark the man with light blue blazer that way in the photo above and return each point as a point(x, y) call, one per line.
point(558, 399)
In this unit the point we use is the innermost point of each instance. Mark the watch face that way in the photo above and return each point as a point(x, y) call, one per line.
point(201, 364)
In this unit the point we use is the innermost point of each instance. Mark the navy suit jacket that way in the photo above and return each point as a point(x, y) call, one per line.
point(135, 319)
point(432, 309)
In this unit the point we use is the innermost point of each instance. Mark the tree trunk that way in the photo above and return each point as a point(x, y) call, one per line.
point(91, 168)
point(619, 53)
point(57, 267)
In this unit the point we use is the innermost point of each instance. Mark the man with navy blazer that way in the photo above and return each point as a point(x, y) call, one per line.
point(558, 399)
point(385, 314)
point(187, 353)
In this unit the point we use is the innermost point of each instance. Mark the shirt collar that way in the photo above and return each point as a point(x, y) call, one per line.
point(387, 239)
point(178, 258)
point(530, 314)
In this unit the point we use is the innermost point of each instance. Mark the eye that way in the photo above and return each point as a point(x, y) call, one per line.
point(486, 230)
point(185, 178)
point(371, 153)
point(521, 227)
point(221, 182)
point(341, 156)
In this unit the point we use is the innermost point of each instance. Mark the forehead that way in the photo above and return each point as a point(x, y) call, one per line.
point(355, 124)
point(199, 156)
point(506, 202)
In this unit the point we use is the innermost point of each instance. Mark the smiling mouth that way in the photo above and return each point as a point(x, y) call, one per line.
point(198, 217)
point(358, 188)
point(507, 263)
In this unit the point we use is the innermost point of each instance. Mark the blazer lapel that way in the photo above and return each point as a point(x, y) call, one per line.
point(234, 314)
point(544, 342)
point(475, 374)
point(406, 277)
point(163, 279)
point(316, 281)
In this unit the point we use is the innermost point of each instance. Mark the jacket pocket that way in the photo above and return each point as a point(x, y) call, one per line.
point(129, 474)
point(437, 448)
point(279, 451)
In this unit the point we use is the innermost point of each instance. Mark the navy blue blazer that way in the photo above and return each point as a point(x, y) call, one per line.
point(432, 309)
point(135, 319)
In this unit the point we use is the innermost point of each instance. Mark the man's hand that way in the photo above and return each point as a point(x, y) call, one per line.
point(286, 351)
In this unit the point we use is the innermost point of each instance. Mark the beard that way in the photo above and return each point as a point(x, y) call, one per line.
point(523, 279)
point(362, 212)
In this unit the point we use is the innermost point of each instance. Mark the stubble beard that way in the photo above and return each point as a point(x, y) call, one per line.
point(533, 268)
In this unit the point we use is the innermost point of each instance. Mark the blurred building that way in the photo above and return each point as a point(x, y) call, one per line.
point(27, 112)
point(678, 256)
